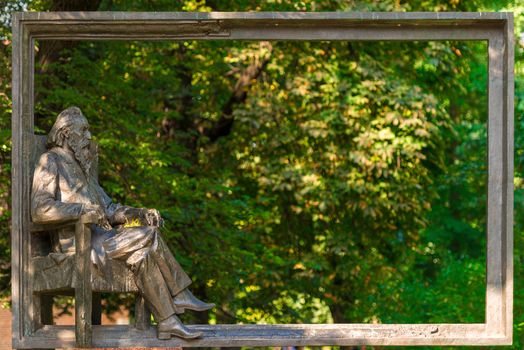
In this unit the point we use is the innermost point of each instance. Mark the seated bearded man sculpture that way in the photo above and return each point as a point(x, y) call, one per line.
point(65, 187)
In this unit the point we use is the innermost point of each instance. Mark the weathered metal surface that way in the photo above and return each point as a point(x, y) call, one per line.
point(83, 291)
point(263, 26)
point(495, 28)
point(142, 315)
point(278, 335)
point(94, 239)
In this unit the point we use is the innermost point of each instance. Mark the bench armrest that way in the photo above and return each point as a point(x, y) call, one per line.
point(83, 288)
point(86, 219)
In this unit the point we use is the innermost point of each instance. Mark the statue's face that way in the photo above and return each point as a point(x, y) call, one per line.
point(79, 134)
point(79, 140)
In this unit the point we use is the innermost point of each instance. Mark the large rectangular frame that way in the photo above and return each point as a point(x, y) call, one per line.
point(494, 28)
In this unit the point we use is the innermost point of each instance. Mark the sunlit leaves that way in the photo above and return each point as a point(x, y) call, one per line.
point(352, 185)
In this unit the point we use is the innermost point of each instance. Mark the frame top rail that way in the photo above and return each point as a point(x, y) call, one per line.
point(372, 26)
point(440, 17)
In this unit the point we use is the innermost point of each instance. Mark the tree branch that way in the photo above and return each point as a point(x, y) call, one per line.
point(223, 126)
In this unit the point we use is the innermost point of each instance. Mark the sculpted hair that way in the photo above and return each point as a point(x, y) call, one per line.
point(65, 119)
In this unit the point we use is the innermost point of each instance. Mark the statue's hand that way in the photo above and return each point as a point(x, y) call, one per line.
point(101, 217)
point(152, 217)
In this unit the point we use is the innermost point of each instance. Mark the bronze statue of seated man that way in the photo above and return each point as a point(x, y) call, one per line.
point(65, 186)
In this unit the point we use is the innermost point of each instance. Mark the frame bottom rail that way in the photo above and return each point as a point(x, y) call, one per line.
point(274, 335)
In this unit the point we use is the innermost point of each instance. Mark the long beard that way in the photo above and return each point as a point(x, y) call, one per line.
point(84, 155)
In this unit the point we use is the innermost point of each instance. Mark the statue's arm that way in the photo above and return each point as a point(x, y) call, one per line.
point(45, 208)
point(119, 214)
point(124, 214)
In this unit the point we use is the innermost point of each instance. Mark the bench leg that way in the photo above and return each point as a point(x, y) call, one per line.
point(96, 315)
point(46, 309)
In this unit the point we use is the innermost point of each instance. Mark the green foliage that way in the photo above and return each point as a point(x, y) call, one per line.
point(339, 157)
point(519, 195)
point(5, 161)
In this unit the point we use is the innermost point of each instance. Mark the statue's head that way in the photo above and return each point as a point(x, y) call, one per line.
point(71, 131)
point(69, 122)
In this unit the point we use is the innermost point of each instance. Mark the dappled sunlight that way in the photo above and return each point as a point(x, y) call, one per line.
point(325, 186)
point(311, 189)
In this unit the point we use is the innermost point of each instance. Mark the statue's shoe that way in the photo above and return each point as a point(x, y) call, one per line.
point(173, 326)
point(186, 300)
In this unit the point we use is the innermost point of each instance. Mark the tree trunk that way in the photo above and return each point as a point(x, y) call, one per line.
point(182, 103)
point(224, 125)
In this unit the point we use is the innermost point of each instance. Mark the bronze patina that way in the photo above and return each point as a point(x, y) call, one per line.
point(65, 187)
